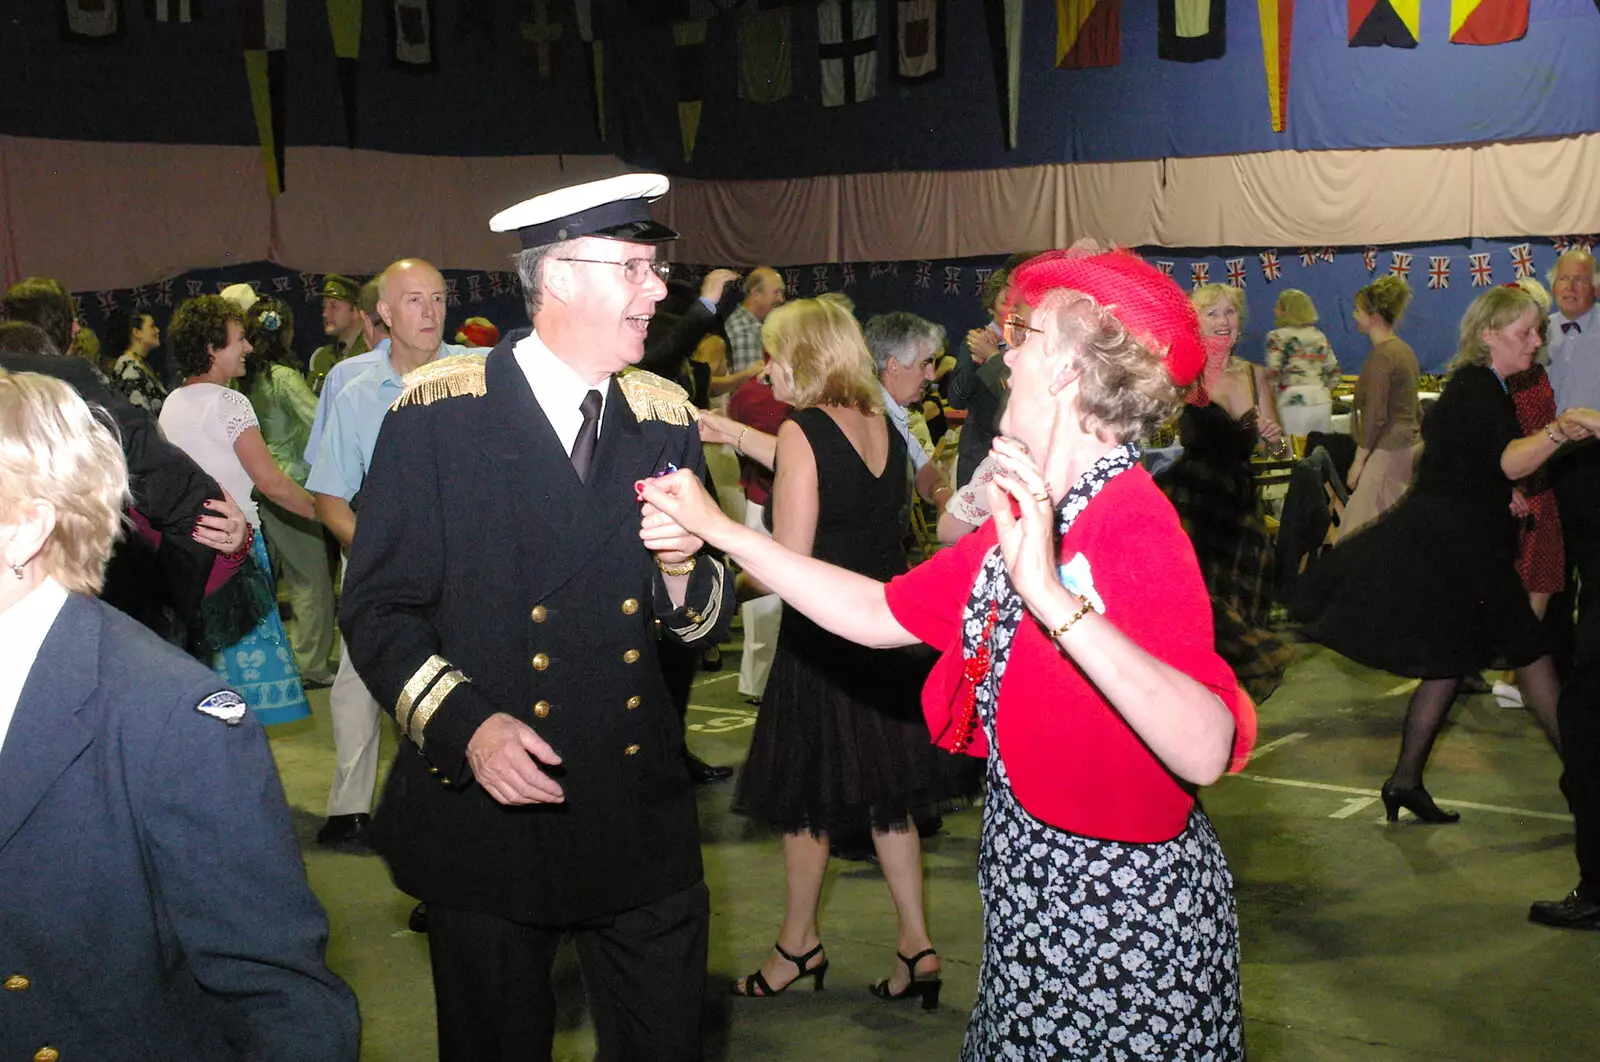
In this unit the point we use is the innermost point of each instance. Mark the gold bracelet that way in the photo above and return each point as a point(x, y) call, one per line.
point(675, 569)
point(1552, 434)
point(1057, 632)
point(738, 444)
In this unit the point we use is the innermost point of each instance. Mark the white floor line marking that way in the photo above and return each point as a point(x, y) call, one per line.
point(1404, 687)
point(1287, 739)
point(1470, 805)
point(720, 711)
point(715, 679)
point(1353, 806)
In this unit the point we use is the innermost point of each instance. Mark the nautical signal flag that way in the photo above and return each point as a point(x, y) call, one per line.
point(1088, 33)
point(1191, 31)
point(1277, 27)
point(1488, 21)
point(1384, 23)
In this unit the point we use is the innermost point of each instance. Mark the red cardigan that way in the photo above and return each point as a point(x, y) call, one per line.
point(1073, 761)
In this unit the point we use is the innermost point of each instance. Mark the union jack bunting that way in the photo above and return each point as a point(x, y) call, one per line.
point(496, 286)
point(308, 284)
point(77, 305)
point(1482, 271)
point(847, 274)
point(1369, 257)
point(1165, 267)
point(1438, 271)
point(475, 287)
point(452, 297)
point(1400, 264)
point(1270, 268)
point(1326, 254)
point(1560, 243)
point(1200, 273)
point(141, 296)
point(879, 269)
point(281, 284)
point(952, 280)
point(164, 293)
point(1308, 257)
point(819, 279)
point(924, 274)
point(791, 282)
point(1585, 242)
point(1236, 272)
point(981, 277)
point(108, 301)
point(1521, 260)
point(196, 288)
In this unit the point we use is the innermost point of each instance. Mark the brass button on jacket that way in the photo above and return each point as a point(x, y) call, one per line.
point(634, 702)
point(630, 606)
point(540, 661)
point(631, 656)
point(541, 709)
point(46, 1054)
point(16, 983)
point(538, 614)
point(631, 750)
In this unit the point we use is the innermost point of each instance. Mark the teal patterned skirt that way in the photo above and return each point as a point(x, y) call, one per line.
point(261, 667)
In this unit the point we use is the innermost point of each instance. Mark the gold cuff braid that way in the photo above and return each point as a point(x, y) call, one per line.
point(430, 704)
point(420, 680)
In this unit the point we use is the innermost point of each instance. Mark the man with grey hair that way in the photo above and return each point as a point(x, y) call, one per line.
point(1573, 335)
point(903, 348)
point(501, 605)
point(763, 290)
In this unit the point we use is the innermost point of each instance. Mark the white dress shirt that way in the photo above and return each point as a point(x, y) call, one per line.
point(1575, 359)
point(557, 388)
point(23, 628)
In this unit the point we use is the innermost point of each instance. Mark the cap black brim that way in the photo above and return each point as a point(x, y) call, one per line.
point(650, 231)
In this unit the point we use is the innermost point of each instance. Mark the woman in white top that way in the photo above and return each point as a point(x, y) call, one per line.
point(218, 428)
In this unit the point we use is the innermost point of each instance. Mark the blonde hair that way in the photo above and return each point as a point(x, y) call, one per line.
point(1387, 297)
point(1202, 297)
point(1124, 390)
point(1495, 309)
point(820, 343)
point(1537, 290)
point(1294, 309)
point(1581, 255)
point(54, 449)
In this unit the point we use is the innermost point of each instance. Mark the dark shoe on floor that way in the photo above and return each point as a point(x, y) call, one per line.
point(703, 773)
point(342, 829)
point(712, 659)
point(1416, 800)
point(418, 922)
point(1574, 912)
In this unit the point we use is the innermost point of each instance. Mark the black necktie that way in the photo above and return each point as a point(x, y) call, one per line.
point(588, 435)
point(1571, 326)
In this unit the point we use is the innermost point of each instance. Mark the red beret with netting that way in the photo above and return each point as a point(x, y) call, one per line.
point(1148, 303)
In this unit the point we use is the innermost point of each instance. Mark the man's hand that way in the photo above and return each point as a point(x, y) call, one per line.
point(505, 754)
point(671, 543)
point(716, 284)
point(225, 532)
point(983, 344)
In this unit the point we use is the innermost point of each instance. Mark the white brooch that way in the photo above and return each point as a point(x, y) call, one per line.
point(225, 705)
point(1076, 578)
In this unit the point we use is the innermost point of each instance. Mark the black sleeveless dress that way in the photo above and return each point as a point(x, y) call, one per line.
point(1213, 490)
point(840, 744)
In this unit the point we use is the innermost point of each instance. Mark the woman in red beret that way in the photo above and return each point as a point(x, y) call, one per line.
point(1077, 655)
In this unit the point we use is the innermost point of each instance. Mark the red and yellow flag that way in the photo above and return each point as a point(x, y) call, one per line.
point(1088, 33)
point(1488, 21)
point(1277, 27)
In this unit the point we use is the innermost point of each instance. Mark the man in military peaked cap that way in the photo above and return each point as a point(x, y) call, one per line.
point(341, 322)
point(499, 603)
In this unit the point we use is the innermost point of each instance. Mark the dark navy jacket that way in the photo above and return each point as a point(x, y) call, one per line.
point(486, 577)
point(154, 901)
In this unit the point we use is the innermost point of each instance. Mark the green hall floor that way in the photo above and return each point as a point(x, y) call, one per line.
point(1361, 941)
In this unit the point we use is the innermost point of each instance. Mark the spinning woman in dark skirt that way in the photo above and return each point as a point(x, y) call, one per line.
point(1431, 589)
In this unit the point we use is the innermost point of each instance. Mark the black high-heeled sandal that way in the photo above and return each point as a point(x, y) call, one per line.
point(927, 990)
point(756, 986)
point(1417, 800)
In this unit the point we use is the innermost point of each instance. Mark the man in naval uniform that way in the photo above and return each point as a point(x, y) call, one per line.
point(500, 604)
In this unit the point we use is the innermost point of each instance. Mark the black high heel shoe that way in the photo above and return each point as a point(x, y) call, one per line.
point(927, 990)
point(1417, 800)
point(756, 986)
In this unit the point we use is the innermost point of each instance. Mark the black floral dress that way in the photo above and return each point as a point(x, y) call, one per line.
point(1094, 949)
point(138, 384)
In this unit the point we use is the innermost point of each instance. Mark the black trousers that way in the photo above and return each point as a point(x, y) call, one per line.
point(1578, 714)
point(643, 972)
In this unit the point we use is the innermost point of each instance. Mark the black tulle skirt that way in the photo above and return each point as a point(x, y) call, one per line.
point(840, 745)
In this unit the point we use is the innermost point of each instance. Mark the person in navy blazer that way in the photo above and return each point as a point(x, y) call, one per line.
point(154, 900)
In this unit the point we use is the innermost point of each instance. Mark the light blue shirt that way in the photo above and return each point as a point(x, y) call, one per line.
point(1575, 359)
point(901, 419)
point(354, 420)
point(333, 383)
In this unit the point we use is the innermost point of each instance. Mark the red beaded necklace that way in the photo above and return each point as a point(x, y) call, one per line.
point(975, 669)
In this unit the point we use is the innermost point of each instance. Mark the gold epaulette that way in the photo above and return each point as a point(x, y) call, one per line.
point(461, 374)
point(653, 397)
